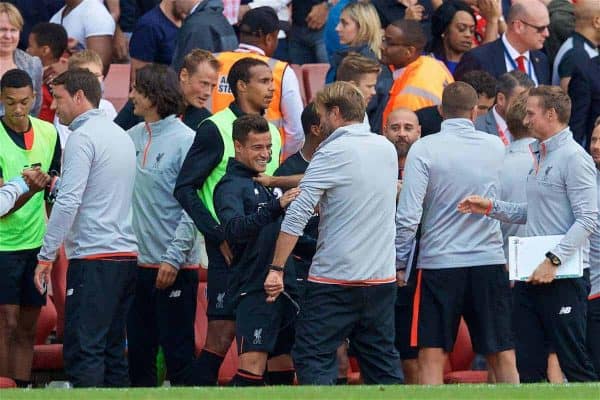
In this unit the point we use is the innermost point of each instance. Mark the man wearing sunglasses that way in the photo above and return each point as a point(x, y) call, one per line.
point(519, 48)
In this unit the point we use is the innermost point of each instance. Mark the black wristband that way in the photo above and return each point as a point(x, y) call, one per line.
point(275, 268)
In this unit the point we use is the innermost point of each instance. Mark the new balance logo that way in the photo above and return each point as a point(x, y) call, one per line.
point(564, 311)
point(70, 292)
point(174, 294)
point(220, 300)
point(257, 336)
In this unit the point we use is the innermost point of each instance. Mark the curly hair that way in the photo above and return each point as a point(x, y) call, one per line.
point(160, 84)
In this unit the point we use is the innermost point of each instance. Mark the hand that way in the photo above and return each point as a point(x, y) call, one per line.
point(227, 253)
point(166, 275)
point(288, 197)
point(317, 16)
point(53, 70)
point(273, 285)
point(544, 273)
point(474, 205)
point(41, 277)
point(415, 12)
point(36, 179)
point(401, 278)
point(120, 45)
point(490, 10)
point(265, 180)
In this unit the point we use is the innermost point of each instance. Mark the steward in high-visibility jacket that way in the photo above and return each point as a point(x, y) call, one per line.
point(418, 85)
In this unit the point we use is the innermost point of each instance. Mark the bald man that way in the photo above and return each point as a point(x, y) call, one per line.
point(402, 128)
point(518, 48)
point(581, 46)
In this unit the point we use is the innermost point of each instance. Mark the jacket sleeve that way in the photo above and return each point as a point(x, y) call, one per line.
point(240, 227)
point(204, 155)
point(410, 206)
point(10, 192)
point(512, 213)
point(186, 236)
point(580, 94)
point(583, 197)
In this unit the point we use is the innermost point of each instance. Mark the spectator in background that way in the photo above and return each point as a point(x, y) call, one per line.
point(581, 46)
point(89, 26)
point(489, 19)
point(198, 78)
point(362, 72)
point(562, 24)
point(485, 86)
point(360, 32)
point(417, 10)
point(154, 36)
point(282, 8)
point(418, 80)
point(48, 42)
point(453, 28)
point(205, 27)
point(584, 90)
point(86, 59)
point(306, 42)
point(126, 13)
point(518, 48)
point(510, 85)
point(330, 35)
point(34, 12)
point(11, 24)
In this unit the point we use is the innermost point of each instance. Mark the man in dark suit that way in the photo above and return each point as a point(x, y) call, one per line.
point(584, 90)
point(518, 48)
point(509, 86)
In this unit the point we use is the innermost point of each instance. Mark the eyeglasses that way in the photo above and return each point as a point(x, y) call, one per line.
point(538, 29)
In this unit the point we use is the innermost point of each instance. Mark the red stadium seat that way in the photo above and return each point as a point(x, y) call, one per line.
point(298, 70)
point(461, 358)
point(47, 357)
point(59, 290)
point(314, 79)
point(46, 322)
point(7, 383)
point(116, 85)
point(229, 367)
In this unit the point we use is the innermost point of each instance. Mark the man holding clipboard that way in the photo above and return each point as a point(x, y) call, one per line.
point(562, 191)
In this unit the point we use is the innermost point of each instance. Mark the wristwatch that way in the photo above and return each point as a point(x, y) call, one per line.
point(553, 259)
point(275, 268)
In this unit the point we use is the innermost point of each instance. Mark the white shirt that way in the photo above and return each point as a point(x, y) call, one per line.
point(512, 64)
point(291, 104)
point(89, 18)
point(502, 127)
point(64, 131)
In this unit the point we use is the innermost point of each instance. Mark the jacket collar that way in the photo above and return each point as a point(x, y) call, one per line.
point(236, 168)
point(158, 127)
point(552, 143)
point(83, 118)
point(357, 129)
point(458, 125)
point(237, 111)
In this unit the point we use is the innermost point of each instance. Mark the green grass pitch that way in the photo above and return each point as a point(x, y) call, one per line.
point(460, 392)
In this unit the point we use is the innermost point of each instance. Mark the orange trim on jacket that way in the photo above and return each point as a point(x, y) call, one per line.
point(365, 282)
point(157, 266)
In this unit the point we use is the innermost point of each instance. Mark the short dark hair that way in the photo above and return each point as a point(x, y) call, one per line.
point(240, 71)
point(52, 35)
point(80, 79)
point(246, 124)
point(16, 79)
point(515, 116)
point(553, 97)
point(482, 81)
point(160, 84)
point(458, 100)
point(309, 117)
point(354, 65)
point(508, 81)
point(413, 33)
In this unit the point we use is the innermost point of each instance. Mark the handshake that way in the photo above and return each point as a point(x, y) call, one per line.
point(38, 180)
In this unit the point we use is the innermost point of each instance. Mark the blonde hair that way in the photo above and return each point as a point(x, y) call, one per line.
point(14, 16)
point(369, 25)
point(197, 57)
point(85, 57)
point(354, 66)
point(346, 97)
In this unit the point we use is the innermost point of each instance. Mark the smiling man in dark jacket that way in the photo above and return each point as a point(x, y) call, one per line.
point(251, 216)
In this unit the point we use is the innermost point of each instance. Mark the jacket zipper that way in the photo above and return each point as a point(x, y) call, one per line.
point(148, 143)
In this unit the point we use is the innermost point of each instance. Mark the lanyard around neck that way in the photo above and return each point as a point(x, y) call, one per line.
point(514, 64)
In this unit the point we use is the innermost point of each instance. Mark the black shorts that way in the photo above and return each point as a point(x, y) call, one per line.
point(403, 316)
point(220, 299)
point(265, 327)
point(17, 269)
point(480, 294)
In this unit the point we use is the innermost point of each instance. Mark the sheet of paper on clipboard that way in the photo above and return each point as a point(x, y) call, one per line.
point(526, 253)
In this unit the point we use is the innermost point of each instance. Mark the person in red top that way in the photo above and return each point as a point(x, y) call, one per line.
point(48, 42)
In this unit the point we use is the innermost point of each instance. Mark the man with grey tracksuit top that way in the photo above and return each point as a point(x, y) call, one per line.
point(164, 307)
point(461, 264)
point(92, 216)
point(562, 199)
point(351, 286)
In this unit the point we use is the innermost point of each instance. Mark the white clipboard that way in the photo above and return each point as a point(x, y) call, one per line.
point(526, 253)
